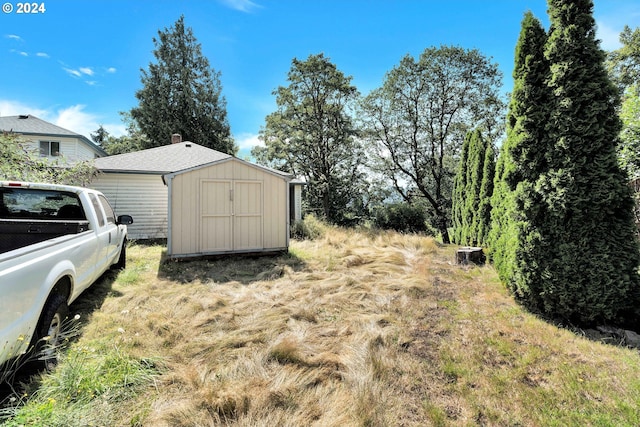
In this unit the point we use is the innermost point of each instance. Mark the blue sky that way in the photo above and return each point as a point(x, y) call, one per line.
point(77, 64)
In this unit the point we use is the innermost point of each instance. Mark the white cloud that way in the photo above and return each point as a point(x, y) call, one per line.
point(609, 36)
point(14, 37)
point(72, 72)
point(111, 70)
point(86, 70)
point(246, 141)
point(76, 120)
point(241, 5)
point(42, 55)
point(14, 108)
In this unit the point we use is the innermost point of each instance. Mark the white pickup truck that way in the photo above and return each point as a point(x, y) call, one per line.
point(55, 241)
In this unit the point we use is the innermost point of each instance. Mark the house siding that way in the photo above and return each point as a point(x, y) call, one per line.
point(143, 196)
point(70, 148)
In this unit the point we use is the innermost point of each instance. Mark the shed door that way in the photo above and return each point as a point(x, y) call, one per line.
point(231, 215)
point(247, 214)
point(216, 225)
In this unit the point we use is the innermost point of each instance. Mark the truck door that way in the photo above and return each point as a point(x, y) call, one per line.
point(105, 236)
point(115, 232)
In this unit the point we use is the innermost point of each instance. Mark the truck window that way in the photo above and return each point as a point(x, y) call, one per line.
point(96, 207)
point(108, 210)
point(26, 203)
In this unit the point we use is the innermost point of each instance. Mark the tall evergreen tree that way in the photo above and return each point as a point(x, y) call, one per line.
point(581, 254)
point(472, 190)
point(483, 219)
point(459, 189)
point(182, 94)
point(522, 159)
point(475, 167)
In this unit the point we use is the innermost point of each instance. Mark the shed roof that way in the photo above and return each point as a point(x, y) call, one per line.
point(284, 175)
point(32, 125)
point(161, 160)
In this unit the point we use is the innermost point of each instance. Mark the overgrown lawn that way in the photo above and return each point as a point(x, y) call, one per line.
point(351, 329)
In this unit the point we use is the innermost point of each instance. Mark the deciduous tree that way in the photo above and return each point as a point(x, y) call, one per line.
point(312, 135)
point(417, 121)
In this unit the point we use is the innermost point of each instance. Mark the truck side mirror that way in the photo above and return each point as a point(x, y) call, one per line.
point(125, 220)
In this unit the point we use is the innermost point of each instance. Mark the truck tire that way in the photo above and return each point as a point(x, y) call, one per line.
point(122, 260)
point(50, 324)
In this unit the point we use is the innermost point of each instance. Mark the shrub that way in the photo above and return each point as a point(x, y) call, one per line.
point(401, 217)
point(308, 228)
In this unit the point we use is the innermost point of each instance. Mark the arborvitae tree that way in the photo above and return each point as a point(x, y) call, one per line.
point(475, 166)
point(459, 188)
point(582, 254)
point(483, 218)
point(469, 208)
point(182, 94)
point(521, 160)
point(502, 235)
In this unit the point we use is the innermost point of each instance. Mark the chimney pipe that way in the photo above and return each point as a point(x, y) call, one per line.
point(176, 138)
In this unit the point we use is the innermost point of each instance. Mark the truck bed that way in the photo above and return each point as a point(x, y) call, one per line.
point(18, 233)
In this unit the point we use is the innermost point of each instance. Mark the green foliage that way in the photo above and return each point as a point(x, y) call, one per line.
point(309, 228)
point(522, 156)
point(459, 188)
point(133, 141)
point(472, 191)
point(417, 121)
point(402, 217)
point(182, 94)
point(312, 135)
point(69, 395)
point(624, 63)
point(483, 217)
point(20, 163)
point(577, 255)
point(629, 148)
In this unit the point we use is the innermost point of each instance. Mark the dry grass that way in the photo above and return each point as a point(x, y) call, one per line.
point(354, 329)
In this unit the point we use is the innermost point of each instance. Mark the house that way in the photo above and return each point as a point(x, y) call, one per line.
point(227, 206)
point(133, 183)
point(51, 141)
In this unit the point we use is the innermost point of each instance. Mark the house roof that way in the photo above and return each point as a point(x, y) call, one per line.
point(161, 160)
point(32, 125)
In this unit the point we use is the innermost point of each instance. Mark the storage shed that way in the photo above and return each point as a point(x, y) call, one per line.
point(227, 206)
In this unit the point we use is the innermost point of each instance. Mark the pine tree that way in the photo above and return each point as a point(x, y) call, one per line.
point(578, 255)
point(182, 94)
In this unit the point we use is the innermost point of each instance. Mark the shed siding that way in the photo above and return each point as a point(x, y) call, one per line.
point(203, 199)
point(144, 197)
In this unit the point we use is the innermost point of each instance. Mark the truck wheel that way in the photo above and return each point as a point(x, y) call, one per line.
point(122, 260)
point(50, 325)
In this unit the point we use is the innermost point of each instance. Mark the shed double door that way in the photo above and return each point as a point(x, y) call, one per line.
point(231, 215)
